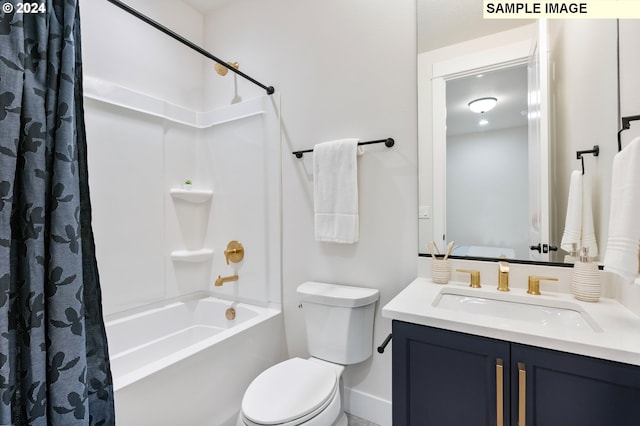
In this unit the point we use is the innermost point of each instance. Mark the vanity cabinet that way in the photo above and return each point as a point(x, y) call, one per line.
point(444, 378)
point(569, 389)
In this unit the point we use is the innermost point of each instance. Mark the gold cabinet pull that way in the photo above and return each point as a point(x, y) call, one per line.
point(499, 393)
point(522, 394)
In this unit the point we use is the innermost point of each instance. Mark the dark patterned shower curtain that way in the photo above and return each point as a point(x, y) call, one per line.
point(54, 366)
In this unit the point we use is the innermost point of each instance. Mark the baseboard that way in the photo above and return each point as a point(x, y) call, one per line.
point(366, 406)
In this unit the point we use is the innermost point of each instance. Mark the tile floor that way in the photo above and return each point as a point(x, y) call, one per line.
point(357, 421)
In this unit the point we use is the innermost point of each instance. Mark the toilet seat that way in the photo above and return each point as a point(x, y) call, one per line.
point(289, 393)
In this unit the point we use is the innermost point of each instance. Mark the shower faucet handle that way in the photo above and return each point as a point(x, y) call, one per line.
point(234, 252)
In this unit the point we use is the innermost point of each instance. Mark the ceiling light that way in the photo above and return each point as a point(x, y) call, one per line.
point(483, 122)
point(482, 105)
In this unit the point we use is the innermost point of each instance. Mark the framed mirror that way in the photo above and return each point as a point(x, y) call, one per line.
point(500, 189)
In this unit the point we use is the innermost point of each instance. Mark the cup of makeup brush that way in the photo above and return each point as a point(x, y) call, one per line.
point(440, 270)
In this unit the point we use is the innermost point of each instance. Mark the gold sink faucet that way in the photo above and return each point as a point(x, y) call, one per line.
point(503, 276)
point(221, 280)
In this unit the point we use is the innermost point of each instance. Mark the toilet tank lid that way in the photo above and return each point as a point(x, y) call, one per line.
point(337, 295)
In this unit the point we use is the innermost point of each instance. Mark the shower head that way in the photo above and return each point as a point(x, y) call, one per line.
point(222, 70)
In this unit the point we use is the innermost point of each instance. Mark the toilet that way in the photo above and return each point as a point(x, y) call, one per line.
point(339, 323)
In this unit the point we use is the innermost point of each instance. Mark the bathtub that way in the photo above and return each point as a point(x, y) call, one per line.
point(184, 363)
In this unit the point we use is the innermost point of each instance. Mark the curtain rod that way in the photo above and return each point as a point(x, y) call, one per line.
point(270, 90)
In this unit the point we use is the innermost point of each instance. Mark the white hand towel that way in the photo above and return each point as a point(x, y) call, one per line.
point(573, 221)
point(578, 227)
point(623, 244)
point(588, 234)
point(335, 191)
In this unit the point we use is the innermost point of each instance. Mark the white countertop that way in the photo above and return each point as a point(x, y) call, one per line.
point(617, 339)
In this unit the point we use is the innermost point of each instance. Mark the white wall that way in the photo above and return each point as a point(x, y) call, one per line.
point(487, 174)
point(584, 100)
point(629, 82)
point(343, 69)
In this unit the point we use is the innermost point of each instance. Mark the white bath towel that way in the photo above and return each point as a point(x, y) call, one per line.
point(335, 191)
point(573, 220)
point(578, 226)
point(623, 243)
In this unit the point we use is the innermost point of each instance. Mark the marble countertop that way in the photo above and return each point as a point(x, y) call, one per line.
point(614, 336)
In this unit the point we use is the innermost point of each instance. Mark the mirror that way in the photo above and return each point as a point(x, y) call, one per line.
point(459, 194)
point(487, 160)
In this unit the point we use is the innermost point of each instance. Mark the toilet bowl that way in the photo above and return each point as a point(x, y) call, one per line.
point(339, 323)
point(295, 392)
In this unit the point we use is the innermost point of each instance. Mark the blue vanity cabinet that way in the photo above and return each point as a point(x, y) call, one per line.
point(568, 389)
point(444, 378)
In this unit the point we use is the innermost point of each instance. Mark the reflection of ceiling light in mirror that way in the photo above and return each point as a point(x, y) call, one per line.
point(482, 105)
point(483, 122)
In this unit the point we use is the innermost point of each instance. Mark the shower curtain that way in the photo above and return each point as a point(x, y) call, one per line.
point(54, 366)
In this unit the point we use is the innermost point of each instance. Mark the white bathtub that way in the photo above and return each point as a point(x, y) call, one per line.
point(184, 363)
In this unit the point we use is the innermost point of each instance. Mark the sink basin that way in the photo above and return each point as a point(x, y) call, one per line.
point(557, 314)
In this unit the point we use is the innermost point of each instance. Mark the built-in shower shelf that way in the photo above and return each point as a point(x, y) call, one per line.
point(193, 256)
point(191, 195)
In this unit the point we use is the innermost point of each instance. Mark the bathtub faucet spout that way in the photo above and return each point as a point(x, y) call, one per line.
point(221, 280)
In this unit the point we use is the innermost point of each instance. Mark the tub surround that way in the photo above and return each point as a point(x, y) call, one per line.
point(183, 229)
point(617, 340)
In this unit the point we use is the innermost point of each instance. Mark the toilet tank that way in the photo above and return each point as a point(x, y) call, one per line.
point(339, 321)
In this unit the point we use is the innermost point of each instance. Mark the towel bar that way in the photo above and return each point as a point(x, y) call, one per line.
point(389, 142)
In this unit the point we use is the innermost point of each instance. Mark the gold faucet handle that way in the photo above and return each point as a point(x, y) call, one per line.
point(534, 284)
point(234, 252)
point(475, 277)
